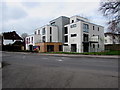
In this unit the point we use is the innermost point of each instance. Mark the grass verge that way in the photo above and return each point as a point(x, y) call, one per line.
point(89, 53)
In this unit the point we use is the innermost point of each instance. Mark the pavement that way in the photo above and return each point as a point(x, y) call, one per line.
point(31, 70)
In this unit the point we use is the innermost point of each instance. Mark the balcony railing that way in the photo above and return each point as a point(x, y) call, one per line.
point(94, 39)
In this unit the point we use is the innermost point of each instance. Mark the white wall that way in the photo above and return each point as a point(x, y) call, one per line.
point(79, 38)
point(54, 33)
point(73, 40)
point(36, 39)
point(5, 42)
point(110, 40)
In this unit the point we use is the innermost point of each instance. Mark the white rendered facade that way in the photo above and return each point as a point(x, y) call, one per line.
point(47, 33)
point(31, 40)
point(50, 33)
point(81, 40)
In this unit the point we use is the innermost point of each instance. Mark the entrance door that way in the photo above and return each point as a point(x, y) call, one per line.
point(31, 47)
point(73, 47)
point(85, 47)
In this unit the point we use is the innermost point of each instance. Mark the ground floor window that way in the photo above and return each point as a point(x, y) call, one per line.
point(50, 48)
point(73, 47)
point(60, 48)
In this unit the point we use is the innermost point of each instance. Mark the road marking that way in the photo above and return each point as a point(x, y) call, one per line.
point(60, 60)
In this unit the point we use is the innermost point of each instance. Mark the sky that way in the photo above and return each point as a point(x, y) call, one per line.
point(24, 16)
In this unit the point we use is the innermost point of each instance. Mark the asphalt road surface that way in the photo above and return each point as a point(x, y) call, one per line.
point(42, 71)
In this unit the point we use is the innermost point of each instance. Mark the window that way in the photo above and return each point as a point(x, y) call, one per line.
point(52, 23)
point(43, 38)
point(32, 39)
point(93, 45)
point(78, 19)
point(43, 31)
point(93, 28)
point(98, 45)
point(35, 33)
point(29, 40)
point(50, 30)
point(98, 28)
point(38, 32)
point(85, 28)
point(66, 38)
point(60, 48)
point(72, 21)
point(74, 25)
point(50, 38)
point(73, 35)
point(105, 41)
point(105, 35)
point(65, 44)
point(85, 37)
point(66, 30)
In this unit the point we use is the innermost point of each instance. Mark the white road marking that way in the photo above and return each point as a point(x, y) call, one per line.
point(60, 60)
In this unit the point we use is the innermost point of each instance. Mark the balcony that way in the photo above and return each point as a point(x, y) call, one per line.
point(94, 39)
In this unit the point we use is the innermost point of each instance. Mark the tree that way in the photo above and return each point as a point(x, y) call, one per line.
point(24, 35)
point(111, 9)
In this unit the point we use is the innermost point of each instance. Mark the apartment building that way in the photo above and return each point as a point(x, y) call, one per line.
point(45, 38)
point(75, 34)
point(82, 36)
point(60, 22)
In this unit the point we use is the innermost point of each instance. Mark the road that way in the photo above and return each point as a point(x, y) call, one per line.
point(41, 71)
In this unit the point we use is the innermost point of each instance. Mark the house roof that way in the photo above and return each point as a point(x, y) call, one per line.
point(11, 36)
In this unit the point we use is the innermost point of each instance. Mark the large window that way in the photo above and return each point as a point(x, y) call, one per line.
point(72, 21)
point(98, 45)
point(66, 30)
point(43, 38)
point(93, 45)
point(98, 28)
point(32, 39)
point(93, 27)
point(85, 37)
point(60, 48)
point(85, 27)
point(38, 32)
point(29, 40)
point(43, 31)
point(66, 38)
point(50, 30)
point(35, 33)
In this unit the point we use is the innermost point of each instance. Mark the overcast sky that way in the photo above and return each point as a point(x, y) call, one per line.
point(24, 17)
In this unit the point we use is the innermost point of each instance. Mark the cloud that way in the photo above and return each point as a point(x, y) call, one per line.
point(27, 16)
point(11, 11)
point(30, 4)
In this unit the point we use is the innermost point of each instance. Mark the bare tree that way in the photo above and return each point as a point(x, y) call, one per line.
point(111, 9)
point(24, 35)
